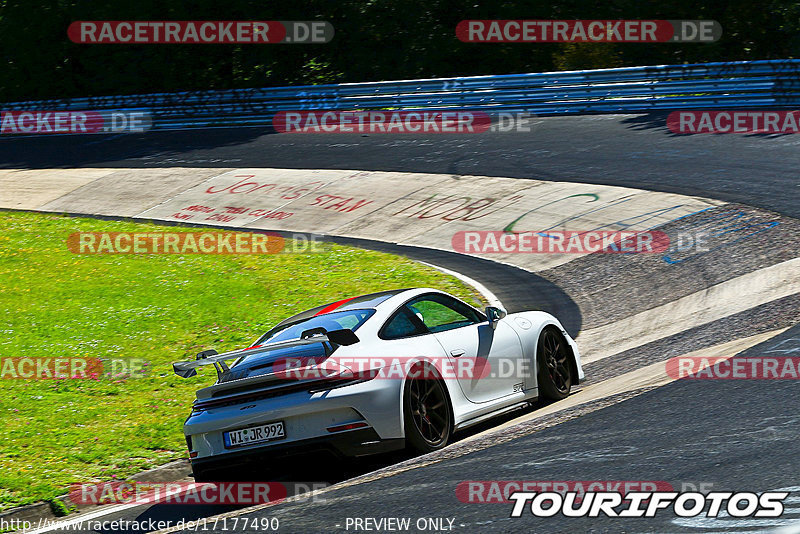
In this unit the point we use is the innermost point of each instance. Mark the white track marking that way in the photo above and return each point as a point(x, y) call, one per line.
point(717, 302)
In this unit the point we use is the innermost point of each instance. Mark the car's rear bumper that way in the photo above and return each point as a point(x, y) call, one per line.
point(353, 443)
point(310, 419)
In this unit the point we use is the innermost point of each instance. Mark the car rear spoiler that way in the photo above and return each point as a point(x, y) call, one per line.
point(188, 369)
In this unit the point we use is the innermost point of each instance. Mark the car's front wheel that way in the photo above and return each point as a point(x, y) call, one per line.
point(427, 414)
point(555, 369)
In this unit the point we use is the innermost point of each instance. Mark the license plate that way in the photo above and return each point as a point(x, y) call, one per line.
point(254, 434)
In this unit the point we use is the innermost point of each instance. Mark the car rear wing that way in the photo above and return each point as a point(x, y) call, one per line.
point(188, 369)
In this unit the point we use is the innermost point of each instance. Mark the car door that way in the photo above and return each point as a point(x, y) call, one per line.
point(493, 356)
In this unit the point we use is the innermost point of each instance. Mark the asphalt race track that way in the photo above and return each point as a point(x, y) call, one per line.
point(729, 435)
point(627, 150)
point(675, 433)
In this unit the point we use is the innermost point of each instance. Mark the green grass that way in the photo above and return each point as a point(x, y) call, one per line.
point(162, 308)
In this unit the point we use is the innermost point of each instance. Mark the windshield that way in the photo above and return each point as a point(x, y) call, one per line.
point(351, 319)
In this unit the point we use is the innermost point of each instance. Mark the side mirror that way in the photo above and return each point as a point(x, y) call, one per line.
point(494, 315)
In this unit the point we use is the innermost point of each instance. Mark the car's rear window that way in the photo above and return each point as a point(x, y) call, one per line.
point(351, 319)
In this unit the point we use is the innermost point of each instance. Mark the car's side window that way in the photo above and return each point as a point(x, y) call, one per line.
point(402, 324)
point(439, 312)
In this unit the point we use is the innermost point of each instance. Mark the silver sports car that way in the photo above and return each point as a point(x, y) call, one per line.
point(401, 368)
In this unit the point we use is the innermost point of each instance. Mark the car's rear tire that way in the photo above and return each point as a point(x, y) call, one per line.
point(427, 414)
point(555, 368)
